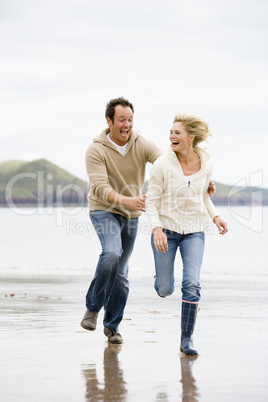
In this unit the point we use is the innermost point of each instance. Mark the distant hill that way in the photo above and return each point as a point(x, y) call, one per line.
point(235, 195)
point(39, 182)
point(43, 183)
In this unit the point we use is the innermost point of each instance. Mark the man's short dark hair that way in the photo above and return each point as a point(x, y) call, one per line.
point(110, 107)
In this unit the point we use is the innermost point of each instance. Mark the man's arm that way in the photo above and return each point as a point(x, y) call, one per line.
point(97, 173)
point(151, 149)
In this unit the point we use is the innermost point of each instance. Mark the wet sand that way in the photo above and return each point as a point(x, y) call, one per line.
point(47, 356)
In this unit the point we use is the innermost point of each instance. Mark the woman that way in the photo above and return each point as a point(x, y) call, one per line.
point(178, 208)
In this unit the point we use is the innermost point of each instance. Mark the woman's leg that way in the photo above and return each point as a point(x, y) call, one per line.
point(164, 265)
point(192, 250)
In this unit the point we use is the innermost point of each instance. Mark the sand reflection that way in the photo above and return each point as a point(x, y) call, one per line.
point(114, 387)
point(190, 391)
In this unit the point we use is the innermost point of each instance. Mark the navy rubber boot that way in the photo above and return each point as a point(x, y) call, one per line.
point(188, 318)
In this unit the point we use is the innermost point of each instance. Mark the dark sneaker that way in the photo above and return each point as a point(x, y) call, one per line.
point(89, 321)
point(112, 338)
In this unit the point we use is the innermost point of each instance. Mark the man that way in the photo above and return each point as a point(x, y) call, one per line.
point(115, 163)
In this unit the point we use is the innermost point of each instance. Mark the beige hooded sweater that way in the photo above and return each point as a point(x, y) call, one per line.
point(108, 170)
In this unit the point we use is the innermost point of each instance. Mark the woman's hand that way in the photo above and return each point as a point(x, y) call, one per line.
point(160, 240)
point(221, 225)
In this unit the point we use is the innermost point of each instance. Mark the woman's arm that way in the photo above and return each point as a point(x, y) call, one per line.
point(153, 202)
point(153, 196)
point(213, 213)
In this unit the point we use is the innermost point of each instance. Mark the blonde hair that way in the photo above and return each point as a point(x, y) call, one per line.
point(193, 125)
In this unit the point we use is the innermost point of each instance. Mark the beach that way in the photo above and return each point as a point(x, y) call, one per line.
point(47, 356)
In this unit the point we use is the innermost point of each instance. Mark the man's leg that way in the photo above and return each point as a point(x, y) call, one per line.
point(107, 227)
point(114, 309)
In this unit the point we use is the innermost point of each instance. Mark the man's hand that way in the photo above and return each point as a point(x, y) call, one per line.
point(221, 225)
point(160, 240)
point(211, 188)
point(134, 203)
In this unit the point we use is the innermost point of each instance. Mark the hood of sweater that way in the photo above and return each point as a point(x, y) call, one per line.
point(102, 138)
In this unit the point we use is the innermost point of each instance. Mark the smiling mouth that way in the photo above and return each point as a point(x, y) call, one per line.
point(175, 143)
point(124, 132)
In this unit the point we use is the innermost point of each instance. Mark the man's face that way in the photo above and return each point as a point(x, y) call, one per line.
point(120, 128)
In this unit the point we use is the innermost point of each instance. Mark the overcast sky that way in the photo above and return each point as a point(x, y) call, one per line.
point(62, 60)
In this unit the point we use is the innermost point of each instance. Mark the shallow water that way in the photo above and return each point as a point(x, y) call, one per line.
point(60, 238)
point(47, 356)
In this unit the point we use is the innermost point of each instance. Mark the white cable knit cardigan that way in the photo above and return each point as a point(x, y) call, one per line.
point(175, 204)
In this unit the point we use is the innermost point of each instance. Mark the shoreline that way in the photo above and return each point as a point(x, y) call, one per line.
point(244, 203)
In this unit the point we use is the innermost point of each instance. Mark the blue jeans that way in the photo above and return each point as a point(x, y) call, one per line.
point(191, 249)
point(110, 287)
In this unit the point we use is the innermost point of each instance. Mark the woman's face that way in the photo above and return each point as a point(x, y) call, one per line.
point(180, 140)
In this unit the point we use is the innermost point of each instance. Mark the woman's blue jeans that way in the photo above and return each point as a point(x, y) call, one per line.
point(191, 249)
point(110, 287)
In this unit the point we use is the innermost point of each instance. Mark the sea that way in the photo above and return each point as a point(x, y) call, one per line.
point(62, 239)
